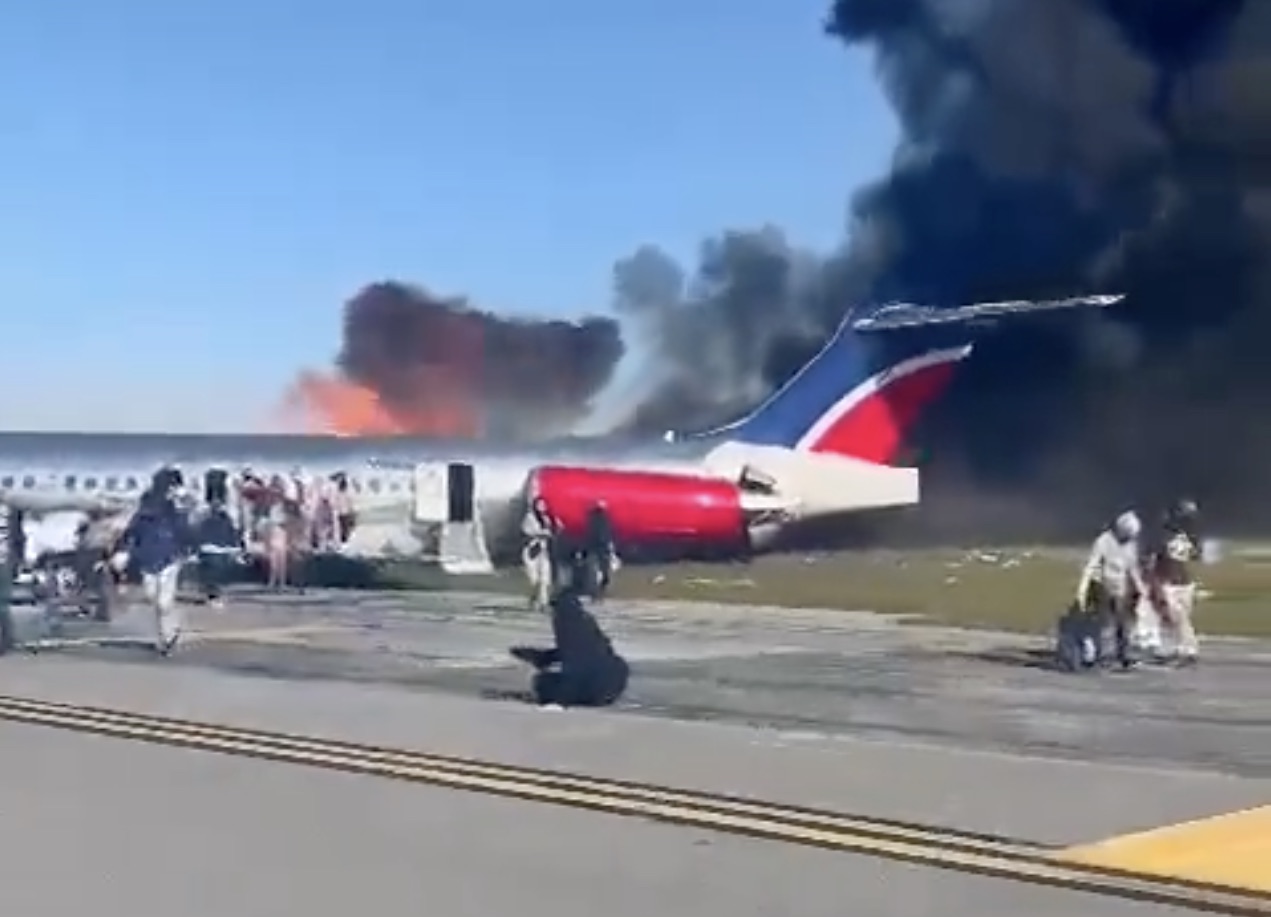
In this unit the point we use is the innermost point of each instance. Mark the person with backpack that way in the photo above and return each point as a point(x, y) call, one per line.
point(1109, 589)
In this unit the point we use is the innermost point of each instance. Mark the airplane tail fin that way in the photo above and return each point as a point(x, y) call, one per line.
point(860, 396)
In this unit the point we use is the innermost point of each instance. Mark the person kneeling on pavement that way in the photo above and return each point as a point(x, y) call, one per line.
point(219, 543)
point(155, 543)
point(582, 669)
point(1108, 591)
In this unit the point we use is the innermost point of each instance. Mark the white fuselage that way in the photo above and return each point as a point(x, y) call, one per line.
point(55, 475)
point(48, 472)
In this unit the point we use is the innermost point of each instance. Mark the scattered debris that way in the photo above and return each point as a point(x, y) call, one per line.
point(705, 581)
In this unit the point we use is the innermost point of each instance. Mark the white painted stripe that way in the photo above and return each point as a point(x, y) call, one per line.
point(875, 384)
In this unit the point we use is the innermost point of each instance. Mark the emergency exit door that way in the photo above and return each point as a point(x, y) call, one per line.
point(445, 492)
point(460, 484)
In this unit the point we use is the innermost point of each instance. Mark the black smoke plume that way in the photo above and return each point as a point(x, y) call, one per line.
point(1049, 148)
point(514, 378)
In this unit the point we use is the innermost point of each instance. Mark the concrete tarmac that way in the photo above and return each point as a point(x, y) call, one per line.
point(797, 670)
point(113, 829)
point(851, 712)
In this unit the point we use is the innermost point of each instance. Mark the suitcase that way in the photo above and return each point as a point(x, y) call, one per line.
point(1077, 637)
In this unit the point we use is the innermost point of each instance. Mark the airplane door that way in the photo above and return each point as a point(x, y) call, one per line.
point(461, 484)
point(215, 486)
point(432, 492)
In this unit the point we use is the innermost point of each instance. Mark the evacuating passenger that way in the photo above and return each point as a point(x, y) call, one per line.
point(600, 548)
point(219, 542)
point(298, 519)
point(253, 505)
point(323, 529)
point(1173, 581)
point(540, 530)
point(342, 503)
point(156, 542)
point(1111, 583)
point(277, 535)
point(582, 669)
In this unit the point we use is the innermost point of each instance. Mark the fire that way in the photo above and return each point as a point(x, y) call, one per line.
point(326, 404)
point(329, 404)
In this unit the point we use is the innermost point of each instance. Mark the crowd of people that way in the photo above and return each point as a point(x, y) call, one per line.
point(283, 517)
point(280, 518)
point(1136, 596)
point(581, 667)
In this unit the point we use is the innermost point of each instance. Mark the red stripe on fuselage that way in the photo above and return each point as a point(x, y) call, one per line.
point(874, 428)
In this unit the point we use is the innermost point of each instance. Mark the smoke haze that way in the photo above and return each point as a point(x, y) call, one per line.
point(1050, 147)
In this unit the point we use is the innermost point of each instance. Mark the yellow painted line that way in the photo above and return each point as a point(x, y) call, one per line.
point(553, 779)
point(980, 854)
point(1232, 849)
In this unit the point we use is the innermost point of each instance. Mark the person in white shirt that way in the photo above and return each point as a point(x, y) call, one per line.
point(539, 529)
point(342, 503)
point(1111, 584)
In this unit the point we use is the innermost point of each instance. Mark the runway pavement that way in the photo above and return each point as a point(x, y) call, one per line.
point(850, 713)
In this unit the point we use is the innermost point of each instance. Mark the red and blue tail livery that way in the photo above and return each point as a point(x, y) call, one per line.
point(862, 394)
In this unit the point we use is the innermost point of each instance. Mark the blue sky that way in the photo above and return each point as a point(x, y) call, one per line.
point(191, 190)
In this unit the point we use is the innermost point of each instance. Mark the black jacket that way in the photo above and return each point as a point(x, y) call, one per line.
point(158, 535)
point(217, 530)
point(599, 530)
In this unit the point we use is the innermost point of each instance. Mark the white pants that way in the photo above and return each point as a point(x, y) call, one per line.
point(1174, 634)
point(1147, 628)
point(538, 570)
point(160, 591)
point(1180, 603)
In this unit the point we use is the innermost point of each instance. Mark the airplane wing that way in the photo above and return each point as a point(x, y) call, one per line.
point(896, 316)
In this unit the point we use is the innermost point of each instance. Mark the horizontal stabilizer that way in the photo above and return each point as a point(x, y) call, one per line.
point(897, 316)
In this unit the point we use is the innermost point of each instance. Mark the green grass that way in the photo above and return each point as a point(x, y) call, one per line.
point(1011, 589)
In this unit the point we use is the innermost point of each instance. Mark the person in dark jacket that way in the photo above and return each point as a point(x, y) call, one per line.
point(600, 548)
point(219, 542)
point(156, 541)
point(1172, 576)
point(582, 669)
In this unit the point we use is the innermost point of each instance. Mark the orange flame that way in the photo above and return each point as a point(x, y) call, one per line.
point(329, 404)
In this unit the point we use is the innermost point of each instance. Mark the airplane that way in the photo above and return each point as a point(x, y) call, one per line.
point(822, 445)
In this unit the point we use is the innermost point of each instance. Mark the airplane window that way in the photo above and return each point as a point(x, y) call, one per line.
point(130, 484)
point(90, 483)
point(395, 486)
point(355, 485)
point(374, 485)
point(7, 481)
point(112, 483)
point(69, 482)
point(28, 482)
